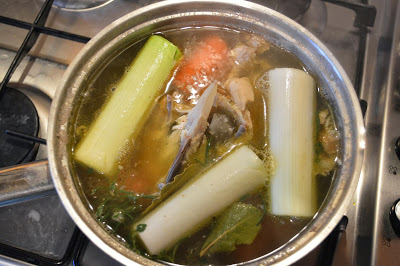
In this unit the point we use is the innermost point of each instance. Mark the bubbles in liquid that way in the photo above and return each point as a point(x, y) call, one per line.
point(266, 156)
point(323, 93)
point(286, 219)
point(295, 220)
point(262, 82)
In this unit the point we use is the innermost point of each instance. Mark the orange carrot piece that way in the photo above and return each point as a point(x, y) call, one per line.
point(202, 66)
point(130, 180)
point(138, 184)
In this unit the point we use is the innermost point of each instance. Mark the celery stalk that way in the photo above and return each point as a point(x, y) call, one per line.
point(291, 109)
point(184, 212)
point(122, 116)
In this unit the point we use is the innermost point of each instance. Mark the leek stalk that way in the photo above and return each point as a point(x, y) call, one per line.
point(192, 206)
point(291, 109)
point(123, 115)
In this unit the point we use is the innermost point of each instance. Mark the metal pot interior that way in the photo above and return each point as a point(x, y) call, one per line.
point(242, 16)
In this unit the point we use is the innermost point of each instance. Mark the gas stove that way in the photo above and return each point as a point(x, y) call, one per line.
point(39, 39)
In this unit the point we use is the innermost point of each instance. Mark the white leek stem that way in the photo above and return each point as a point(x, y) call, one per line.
point(291, 110)
point(188, 209)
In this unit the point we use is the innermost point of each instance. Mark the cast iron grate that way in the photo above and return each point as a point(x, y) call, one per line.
point(78, 240)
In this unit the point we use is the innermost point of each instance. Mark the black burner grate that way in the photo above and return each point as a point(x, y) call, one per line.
point(17, 113)
point(23, 107)
point(35, 29)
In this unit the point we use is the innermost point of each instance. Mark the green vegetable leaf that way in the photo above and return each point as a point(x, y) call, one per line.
point(318, 150)
point(118, 208)
point(141, 227)
point(239, 224)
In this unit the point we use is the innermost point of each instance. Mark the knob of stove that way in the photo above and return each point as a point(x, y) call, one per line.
point(394, 217)
point(397, 147)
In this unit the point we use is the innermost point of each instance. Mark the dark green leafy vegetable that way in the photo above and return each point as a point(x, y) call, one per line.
point(239, 224)
point(318, 150)
point(168, 255)
point(141, 227)
point(120, 206)
point(90, 170)
point(205, 153)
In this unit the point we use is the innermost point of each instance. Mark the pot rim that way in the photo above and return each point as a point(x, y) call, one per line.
point(305, 241)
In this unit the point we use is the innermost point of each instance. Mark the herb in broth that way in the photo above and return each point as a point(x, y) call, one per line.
point(121, 207)
point(239, 117)
point(239, 224)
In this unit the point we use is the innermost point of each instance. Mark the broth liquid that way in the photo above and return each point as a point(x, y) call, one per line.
point(143, 160)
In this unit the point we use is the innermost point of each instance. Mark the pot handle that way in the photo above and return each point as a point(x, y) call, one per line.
point(25, 182)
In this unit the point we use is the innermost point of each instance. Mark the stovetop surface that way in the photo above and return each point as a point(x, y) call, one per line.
point(369, 55)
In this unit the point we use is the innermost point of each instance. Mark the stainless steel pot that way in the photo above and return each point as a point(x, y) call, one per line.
point(240, 15)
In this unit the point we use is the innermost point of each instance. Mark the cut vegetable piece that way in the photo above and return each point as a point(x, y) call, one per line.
point(202, 65)
point(123, 115)
point(206, 195)
point(291, 109)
